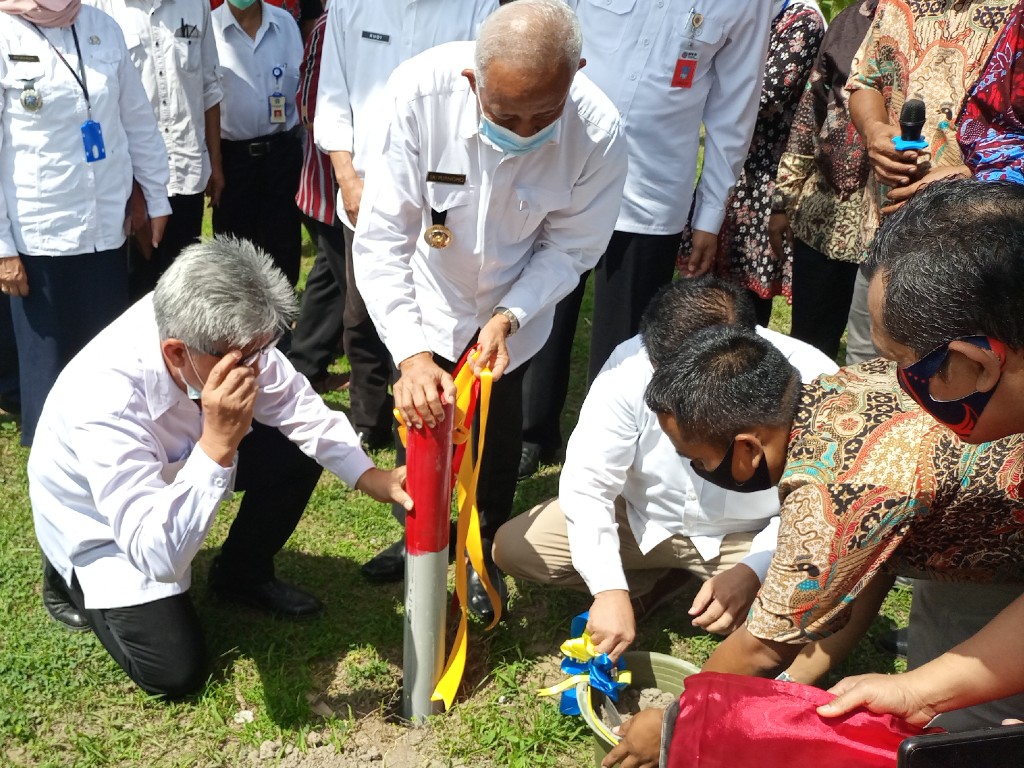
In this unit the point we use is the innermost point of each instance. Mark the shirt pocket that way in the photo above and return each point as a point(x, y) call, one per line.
point(187, 56)
point(535, 203)
point(702, 41)
point(605, 22)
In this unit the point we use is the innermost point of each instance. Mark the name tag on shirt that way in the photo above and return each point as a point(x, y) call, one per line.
point(277, 102)
point(25, 57)
point(380, 37)
point(446, 178)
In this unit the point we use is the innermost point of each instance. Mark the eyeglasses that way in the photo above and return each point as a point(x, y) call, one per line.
point(260, 354)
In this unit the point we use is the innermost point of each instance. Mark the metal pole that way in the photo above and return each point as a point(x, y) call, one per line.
point(429, 483)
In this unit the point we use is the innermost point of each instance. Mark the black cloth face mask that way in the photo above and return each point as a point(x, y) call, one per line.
point(722, 474)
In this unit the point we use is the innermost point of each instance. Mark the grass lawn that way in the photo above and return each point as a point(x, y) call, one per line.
point(64, 702)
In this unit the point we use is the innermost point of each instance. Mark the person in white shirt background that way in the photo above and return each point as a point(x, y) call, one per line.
point(67, 81)
point(177, 402)
point(519, 157)
point(363, 43)
point(632, 522)
point(668, 67)
point(171, 44)
point(260, 51)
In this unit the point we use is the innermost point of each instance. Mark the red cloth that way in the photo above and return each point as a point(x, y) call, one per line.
point(735, 721)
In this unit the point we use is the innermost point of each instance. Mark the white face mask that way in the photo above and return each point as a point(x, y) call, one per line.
point(192, 392)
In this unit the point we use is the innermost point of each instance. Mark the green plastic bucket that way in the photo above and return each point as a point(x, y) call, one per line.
point(650, 670)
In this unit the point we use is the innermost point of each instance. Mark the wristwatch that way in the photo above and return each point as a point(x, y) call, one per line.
point(778, 202)
point(511, 316)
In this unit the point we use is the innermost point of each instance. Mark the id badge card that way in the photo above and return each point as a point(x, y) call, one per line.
point(686, 68)
point(276, 101)
point(92, 140)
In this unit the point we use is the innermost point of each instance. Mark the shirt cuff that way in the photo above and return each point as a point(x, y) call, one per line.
point(708, 219)
point(204, 474)
point(758, 562)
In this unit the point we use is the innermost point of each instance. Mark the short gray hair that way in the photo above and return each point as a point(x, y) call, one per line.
point(532, 33)
point(223, 292)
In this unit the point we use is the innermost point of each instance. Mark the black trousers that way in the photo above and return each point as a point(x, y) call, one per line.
point(499, 468)
point(546, 383)
point(261, 178)
point(318, 331)
point(160, 644)
point(370, 361)
point(822, 292)
point(70, 299)
point(184, 227)
point(629, 273)
point(10, 387)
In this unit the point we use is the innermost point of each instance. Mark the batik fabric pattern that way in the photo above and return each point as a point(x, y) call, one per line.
point(933, 50)
point(991, 132)
point(824, 170)
point(873, 482)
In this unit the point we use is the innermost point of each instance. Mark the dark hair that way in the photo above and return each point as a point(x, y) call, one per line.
point(685, 306)
point(952, 261)
point(722, 381)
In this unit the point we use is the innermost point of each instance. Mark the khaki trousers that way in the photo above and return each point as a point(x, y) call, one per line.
point(535, 546)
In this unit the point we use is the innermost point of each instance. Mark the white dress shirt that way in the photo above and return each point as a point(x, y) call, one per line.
point(619, 449)
point(173, 48)
point(52, 202)
point(524, 228)
point(363, 43)
point(631, 48)
point(247, 67)
point(120, 492)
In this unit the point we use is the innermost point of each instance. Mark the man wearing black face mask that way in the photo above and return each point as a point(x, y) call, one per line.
point(871, 486)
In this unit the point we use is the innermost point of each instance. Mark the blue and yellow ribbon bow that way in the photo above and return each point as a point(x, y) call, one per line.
point(584, 664)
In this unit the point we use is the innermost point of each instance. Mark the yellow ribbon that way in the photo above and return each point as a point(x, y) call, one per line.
point(468, 532)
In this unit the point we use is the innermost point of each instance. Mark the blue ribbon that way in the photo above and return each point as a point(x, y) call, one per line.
point(598, 667)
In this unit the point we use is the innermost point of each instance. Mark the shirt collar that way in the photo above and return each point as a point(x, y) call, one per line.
point(161, 390)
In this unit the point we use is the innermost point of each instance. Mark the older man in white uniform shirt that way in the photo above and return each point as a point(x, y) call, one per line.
point(363, 43)
point(668, 67)
point(520, 158)
point(151, 426)
point(631, 520)
point(171, 44)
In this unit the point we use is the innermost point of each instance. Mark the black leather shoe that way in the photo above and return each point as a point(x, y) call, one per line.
point(529, 460)
point(477, 601)
point(274, 597)
point(61, 609)
point(388, 566)
point(894, 641)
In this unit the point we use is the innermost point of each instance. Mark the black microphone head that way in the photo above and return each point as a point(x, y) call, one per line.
point(912, 119)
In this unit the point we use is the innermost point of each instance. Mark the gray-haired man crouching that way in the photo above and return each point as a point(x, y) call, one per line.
point(176, 403)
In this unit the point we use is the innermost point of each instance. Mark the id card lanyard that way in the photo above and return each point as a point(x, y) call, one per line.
point(92, 134)
point(686, 64)
point(276, 99)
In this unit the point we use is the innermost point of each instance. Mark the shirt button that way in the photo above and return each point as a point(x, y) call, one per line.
point(161, 73)
point(219, 482)
point(646, 41)
point(691, 497)
point(633, 76)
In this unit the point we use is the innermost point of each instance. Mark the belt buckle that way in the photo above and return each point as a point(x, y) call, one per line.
point(259, 148)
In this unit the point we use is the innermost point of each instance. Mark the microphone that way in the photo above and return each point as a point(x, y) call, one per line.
point(911, 123)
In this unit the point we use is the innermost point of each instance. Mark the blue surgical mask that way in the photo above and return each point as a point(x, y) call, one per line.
point(510, 142)
point(190, 391)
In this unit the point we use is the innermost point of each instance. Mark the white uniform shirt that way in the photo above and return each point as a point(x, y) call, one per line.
point(52, 202)
point(524, 228)
point(363, 43)
point(119, 491)
point(632, 48)
point(247, 72)
point(619, 449)
point(173, 48)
